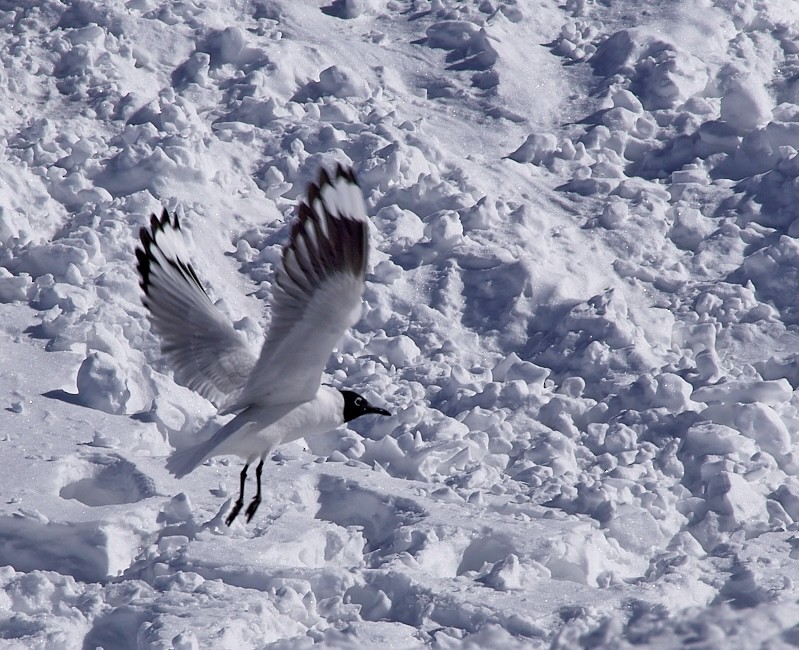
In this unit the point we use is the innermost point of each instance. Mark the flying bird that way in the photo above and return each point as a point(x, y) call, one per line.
point(277, 396)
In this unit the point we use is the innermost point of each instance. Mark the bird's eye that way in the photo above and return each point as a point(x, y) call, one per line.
point(359, 401)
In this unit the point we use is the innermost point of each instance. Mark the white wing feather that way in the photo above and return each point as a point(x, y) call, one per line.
point(199, 342)
point(318, 294)
point(317, 297)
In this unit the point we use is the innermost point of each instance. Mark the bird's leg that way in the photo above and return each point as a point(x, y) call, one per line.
point(256, 500)
point(240, 501)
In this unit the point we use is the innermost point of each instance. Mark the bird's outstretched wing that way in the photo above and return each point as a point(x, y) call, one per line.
point(318, 294)
point(199, 342)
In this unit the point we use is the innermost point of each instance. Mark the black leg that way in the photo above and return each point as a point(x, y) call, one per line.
point(240, 501)
point(256, 501)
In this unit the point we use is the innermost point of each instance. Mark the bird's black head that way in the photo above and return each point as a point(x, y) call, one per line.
point(356, 405)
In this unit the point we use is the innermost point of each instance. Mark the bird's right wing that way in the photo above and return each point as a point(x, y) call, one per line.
point(200, 344)
point(318, 294)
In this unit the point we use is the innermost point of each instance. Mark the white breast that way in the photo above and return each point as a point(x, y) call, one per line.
point(323, 413)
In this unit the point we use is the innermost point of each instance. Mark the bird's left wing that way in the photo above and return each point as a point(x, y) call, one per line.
point(318, 294)
point(199, 342)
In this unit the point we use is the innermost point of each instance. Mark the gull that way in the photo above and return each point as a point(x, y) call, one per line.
point(277, 396)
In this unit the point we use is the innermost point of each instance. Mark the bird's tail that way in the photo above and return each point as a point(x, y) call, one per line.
point(183, 461)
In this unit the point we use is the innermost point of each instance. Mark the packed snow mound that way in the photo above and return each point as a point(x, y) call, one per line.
point(580, 309)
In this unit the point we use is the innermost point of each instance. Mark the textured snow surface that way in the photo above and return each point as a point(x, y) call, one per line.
point(581, 309)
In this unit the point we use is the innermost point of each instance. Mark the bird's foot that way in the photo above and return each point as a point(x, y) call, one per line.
point(234, 513)
point(253, 507)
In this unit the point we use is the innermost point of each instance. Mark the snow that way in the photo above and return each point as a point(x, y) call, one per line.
point(580, 310)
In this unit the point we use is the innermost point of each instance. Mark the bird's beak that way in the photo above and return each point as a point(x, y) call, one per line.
point(377, 411)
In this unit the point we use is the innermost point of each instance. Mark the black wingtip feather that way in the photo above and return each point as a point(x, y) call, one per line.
point(313, 195)
point(324, 179)
point(144, 256)
point(315, 189)
point(348, 235)
point(346, 172)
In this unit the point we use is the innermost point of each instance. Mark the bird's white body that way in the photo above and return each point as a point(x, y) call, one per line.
point(261, 429)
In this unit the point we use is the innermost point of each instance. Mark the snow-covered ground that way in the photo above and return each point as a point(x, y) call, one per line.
point(581, 309)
